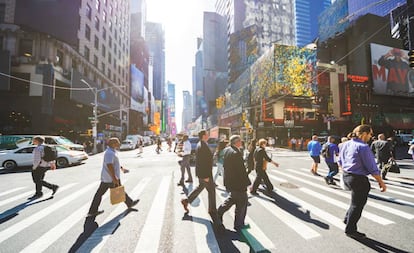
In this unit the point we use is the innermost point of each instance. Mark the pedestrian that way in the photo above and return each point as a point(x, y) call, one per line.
point(110, 177)
point(158, 149)
point(261, 158)
point(204, 168)
point(39, 168)
point(343, 140)
point(169, 143)
point(220, 158)
point(357, 161)
point(331, 153)
point(382, 151)
point(236, 181)
point(314, 148)
point(293, 142)
point(185, 162)
point(250, 157)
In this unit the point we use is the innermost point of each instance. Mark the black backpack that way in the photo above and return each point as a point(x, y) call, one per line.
point(49, 153)
point(325, 150)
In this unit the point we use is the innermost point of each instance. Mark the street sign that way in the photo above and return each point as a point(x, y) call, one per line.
point(94, 121)
point(91, 118)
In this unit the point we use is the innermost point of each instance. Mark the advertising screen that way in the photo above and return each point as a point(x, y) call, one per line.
point(137, 88)
point(391, 74)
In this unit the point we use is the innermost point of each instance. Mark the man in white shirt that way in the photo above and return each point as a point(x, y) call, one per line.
point(40, 167)
point(110, 177)
point(185, 163)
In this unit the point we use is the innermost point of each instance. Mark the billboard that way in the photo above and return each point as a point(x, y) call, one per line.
point(137, 89)
point(391, 73)
point(286, 70)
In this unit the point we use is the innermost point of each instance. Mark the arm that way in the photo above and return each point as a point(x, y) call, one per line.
point(37, 158)
point(381, 183)
point(267, 158)
point(111, 170)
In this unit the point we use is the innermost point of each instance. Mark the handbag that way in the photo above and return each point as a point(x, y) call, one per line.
point(117, 195)
point(392, 166)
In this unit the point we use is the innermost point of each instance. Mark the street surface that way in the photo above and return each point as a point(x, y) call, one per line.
point(303, 215)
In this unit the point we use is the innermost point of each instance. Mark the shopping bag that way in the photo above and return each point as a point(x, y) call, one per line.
point(117, 195)
point(392, 166)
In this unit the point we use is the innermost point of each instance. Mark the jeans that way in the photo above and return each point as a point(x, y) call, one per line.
point(211, 189)
point(360, 188)
point(103, 187)
point(333, 170)
point(38, 175)
point(185, 164)
point(240, 200)
point(261, 174)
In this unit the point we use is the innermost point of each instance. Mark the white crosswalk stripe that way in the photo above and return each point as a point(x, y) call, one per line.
point(11, 191)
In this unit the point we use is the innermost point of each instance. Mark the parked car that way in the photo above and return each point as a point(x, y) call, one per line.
point(127, 145)
point(26, 140)
point(23, 156)
point(403, 139)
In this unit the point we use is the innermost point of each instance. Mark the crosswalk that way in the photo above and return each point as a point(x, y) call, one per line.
point(307, 212)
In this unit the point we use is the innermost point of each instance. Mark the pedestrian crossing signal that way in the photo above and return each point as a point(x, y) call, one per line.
point(411, 58)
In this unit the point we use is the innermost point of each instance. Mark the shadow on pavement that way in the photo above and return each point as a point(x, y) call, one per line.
point(379, 246)
point(14, 211)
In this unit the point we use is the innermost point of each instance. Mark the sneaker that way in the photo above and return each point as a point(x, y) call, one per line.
point(326, 180)
point(356, 235)
point(133, 203)
point(36, 196)
point(184, 202)
point(332, 182)
point(54, 189)
point(95, 213)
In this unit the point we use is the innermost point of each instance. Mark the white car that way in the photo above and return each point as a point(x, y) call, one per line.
point(23, 156)
point(127, 145)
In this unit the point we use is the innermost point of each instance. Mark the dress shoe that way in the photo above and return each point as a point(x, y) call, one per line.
point(95, 213)
point(356, 235)
point(184, 202)
point(133, 203)
point(54, 189)
point(239, 228)
point(36, 196)
point(326, 180)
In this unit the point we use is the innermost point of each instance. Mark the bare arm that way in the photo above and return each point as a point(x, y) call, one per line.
point(111, 170)
point(381, 183)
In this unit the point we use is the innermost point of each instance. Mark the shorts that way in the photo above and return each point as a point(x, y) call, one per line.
point(316, 159)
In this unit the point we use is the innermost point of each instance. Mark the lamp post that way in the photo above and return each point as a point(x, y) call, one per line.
point(95, 111)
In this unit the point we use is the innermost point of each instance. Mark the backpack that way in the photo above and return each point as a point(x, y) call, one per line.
point(49, 153)
point(325, 150)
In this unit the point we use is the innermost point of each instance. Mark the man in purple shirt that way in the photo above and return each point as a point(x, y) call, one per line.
point(357, 161)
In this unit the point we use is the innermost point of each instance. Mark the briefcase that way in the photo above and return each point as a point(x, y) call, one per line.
point(117, 195)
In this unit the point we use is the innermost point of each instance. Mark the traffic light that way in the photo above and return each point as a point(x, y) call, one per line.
point(411, 58)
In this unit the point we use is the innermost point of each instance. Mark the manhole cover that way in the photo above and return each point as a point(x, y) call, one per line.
point(289, 185)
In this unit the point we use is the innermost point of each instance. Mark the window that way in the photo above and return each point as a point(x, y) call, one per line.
point(98, 4)
point(103, 51)
point(103, 66)
point(109, 72)
point(86, 53)
point(110, 10)
point(97, 23)
point(104, 33)
point(109, 58)
point(105, 2)
point(88, 11)
point(110, 25)
point(26, 47)
point(2, 12)
point(104, 16)
point(110, 42)
point(96, 42)
point(87, 32)
point(59, 58)
point(95, 60)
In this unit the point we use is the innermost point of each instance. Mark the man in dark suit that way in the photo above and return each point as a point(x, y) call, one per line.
point(236, 181)
point(204, 167)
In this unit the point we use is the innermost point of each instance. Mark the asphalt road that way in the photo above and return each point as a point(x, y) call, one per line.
point(302, 215)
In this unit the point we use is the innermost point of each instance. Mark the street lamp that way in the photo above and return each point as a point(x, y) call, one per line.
point(95, 111)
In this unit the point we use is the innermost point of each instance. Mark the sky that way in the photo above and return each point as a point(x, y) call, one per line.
point(183, 24)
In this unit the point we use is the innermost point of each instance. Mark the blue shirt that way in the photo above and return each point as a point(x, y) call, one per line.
point(110, 157)
point(356, 157)
point(333, 151)
point(314, 148)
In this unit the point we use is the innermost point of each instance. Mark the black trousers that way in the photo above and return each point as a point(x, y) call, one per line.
point(262, 175)
point(360, 188)
point(211, 189)
point(238, 198)
point(103, 187)
point(38, 176)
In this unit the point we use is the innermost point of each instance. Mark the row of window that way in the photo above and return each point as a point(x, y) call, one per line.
point(96, 41)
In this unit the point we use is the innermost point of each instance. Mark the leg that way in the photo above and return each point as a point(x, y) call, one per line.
point(36, 176)
point(212, 208)
point(193, 195)
point(256, 182)
point(269, 185)
point(227, 204)
point(103, 187)
point(44, 183)
point(241, 210)
point(186, 162)
point(359, 194)
point(182, 169)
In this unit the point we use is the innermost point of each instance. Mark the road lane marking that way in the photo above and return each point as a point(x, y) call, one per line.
point(344, 194)
point(11, 191)
point(332, 201)
point(16, 228)
point(17, 197)
point(151, 231)
point(257, 239)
